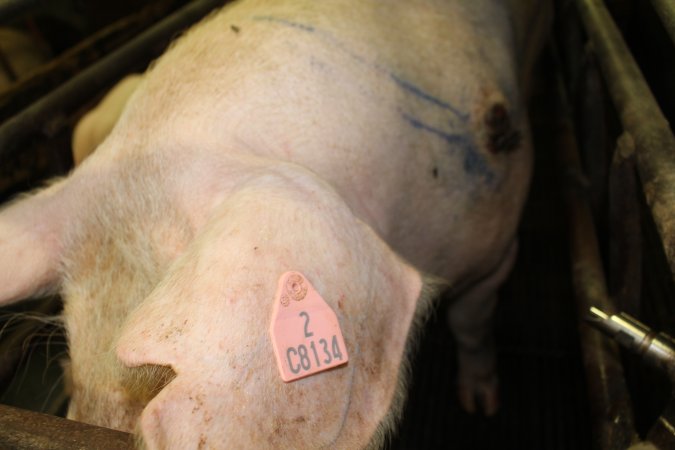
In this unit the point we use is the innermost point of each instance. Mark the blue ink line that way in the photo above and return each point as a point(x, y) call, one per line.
point(474, 163)
point(415, 90)
point(300, 26)
point(400, 82)
point(449, 138)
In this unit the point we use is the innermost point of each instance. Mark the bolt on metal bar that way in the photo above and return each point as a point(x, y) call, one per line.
point(657, 349)
point(20, 429)
point(610, 404)
point(666, 11)
point(79, 89)
point(640, 116)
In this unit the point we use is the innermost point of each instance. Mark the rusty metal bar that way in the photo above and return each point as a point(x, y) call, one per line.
point(46, 115)
point(12, 9)
point(20, 429)
point(666, 11)
point(640, 116)
point(609, 400)
point(625, 251)
point(39, 82)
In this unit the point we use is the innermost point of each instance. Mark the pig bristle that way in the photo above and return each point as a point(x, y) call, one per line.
point(45, 326)
point(143, 383)
point(138, 442)
point(14, 318)
point(432, 291)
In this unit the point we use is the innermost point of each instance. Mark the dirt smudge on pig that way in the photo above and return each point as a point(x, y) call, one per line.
point(340, 302)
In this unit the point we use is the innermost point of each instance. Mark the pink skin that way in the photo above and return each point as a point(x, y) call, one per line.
point(356, 155)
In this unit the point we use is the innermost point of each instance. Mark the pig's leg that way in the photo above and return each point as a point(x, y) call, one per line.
point(470, 319)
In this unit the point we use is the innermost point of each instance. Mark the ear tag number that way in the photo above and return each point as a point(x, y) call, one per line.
point(305, 331)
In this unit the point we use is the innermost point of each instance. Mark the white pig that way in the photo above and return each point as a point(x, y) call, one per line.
point(368, 145)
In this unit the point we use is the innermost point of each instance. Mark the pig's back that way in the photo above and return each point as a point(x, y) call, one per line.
point(394, 120)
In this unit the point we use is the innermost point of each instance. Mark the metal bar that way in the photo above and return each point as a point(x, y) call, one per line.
point(640, 116)
point(20, 429)
point(45, 114)
point(7, 67)
point(53, 73)
point(657, 349)
point(666, 11)
point(625, 231)
point(662, 434)
point(609, 400)
point(12, 9)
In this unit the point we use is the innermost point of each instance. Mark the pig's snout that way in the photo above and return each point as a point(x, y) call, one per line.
point(117, 401)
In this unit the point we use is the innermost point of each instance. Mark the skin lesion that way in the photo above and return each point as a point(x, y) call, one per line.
point(502, 136)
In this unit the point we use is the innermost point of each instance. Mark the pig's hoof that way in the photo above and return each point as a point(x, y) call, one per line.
point(479, 395)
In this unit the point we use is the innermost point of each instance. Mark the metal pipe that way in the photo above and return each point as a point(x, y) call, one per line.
point(625, 230)
point(666, 11)
point(12, 9)
point(20, 429)
point(656, 349)
point(640, 116)
point(6, 67)
point(60, 69)
point(609, 400)
point(45, 115)
point(662, 433)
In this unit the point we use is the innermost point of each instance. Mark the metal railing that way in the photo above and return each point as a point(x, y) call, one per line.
point(643, 160)
point(20, 429)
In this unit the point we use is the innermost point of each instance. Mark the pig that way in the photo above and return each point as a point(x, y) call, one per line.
point(379, 149)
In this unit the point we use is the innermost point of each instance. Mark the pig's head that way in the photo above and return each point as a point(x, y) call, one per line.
point(169, 274)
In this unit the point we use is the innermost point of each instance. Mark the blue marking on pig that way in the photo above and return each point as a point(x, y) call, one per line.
point(418, 92)
point(402, 83)
point(474, 162)
point(299, 26)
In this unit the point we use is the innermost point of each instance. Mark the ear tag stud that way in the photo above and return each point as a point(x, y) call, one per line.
point(305, 331)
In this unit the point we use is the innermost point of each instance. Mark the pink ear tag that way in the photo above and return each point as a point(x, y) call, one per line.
point(305, 331)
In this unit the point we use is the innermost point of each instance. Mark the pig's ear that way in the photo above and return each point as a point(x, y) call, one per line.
point(30, 245)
